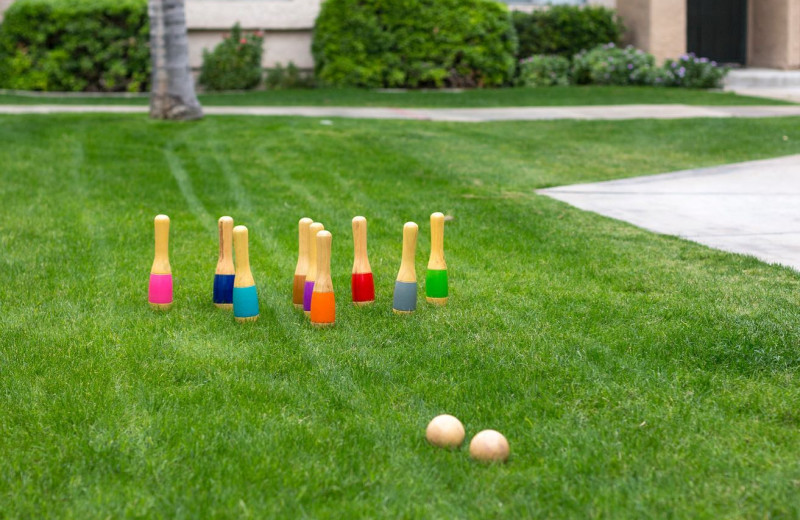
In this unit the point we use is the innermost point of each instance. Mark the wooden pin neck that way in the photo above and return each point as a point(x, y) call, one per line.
point(302, 235)
point(408, 272)
point(323, 281)
point(360, 257)
point(315, 228)
point(241, 246)
point(244, 277)
point(161, 257)
point(437, 242)
point(225, 261)
point(302, 241)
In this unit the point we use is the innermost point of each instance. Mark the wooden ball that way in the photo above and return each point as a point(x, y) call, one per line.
point(445, 431)
point(489, 446)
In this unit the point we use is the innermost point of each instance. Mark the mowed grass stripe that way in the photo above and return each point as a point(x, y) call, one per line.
point(634, 374)
point(276, 311)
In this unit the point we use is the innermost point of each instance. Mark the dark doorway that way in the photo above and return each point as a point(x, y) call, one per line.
point(717, 29)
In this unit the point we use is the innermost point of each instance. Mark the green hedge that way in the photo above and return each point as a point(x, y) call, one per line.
point(414, 43)
point(544, 71)
point(235, 63)
point(565, 30)
point(612, 65)
point(75, 45)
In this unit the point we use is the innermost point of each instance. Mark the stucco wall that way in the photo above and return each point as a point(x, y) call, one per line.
point(252, 14)
point(287, 25)
point(636, 16)
point(279, 47)
point(774, 34)
point(668, 28)
point(794, 35)
point(3, 6)
point(657, 26)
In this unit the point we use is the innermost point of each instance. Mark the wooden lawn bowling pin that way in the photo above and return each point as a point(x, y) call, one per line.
point(436, 277)
point(302, 263)
point(323, 303)
point(405, 288)
point(362, 285)
point(160, 289)
point(245, 297)
point(224, 275)
point(308, 290)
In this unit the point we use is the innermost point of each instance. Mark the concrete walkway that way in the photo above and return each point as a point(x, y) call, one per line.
point(470, 115)
point(751, 208)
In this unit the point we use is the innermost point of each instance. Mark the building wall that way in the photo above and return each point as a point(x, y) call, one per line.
point(794, 35)
point(287, 26)
point(280, 47)
point(773, 33)
point(3, 6)
point(279, 15)
point(657, 26)
point(636, 16)
point(668, 29)
point(773, 38)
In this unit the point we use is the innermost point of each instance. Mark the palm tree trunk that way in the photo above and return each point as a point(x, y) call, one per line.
point(172, 95)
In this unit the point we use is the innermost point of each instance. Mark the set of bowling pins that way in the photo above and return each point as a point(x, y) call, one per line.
point(313, 289)
point(235, 288)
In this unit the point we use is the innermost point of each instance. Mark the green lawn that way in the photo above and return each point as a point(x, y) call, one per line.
point(634, 375)
point(552, 96)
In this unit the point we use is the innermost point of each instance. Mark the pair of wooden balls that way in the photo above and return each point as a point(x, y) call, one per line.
point(445, 431)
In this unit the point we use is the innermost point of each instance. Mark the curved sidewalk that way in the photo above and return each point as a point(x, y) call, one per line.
point(466, 115)
point(748, 208)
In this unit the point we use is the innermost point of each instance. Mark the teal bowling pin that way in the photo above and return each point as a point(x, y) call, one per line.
point(245, 297)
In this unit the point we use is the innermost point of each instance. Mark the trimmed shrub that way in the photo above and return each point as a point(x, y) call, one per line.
point(414, 43)
point(75, 45)
point(566, 30)
point(691, 72)
point(290, 76)
point(544, 71)
point(234, 64)
point(612, 65)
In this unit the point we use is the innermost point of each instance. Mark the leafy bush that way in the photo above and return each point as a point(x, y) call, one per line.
point(612, 65)
point(75, 45)
point(234, 64)
point(691, 72)
point(544, 71)
point(566, 30)
point(288, 77)
point(414, 43)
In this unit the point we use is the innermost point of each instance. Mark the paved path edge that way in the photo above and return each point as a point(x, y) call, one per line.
point(468, 115)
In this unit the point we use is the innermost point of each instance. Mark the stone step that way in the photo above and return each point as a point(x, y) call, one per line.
point(791, 94)
point(763, 78)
